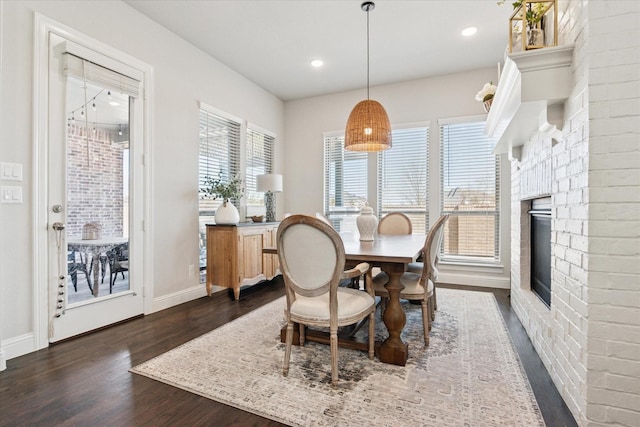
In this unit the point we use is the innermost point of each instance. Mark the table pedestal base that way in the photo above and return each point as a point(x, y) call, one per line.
point(393, 349)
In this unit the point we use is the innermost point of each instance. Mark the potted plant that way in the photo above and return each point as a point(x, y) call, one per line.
point(533, 13)
point(217, 188)
point(485, 95)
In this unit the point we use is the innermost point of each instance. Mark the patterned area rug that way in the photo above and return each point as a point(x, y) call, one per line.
point(469, 375)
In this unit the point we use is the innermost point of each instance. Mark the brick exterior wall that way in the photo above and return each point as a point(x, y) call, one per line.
point(589, 340)
point(94, 182)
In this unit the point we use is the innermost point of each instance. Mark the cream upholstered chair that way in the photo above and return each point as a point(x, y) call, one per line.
point(395, 223)
point(312, 261)
point(417, 267)
point(419, 287)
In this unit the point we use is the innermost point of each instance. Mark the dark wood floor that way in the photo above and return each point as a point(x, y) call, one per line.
point(85, 381)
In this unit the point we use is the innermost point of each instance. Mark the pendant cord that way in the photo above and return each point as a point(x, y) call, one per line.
point(367, 54)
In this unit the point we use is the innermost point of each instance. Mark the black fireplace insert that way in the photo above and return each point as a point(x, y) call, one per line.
point(540, 238)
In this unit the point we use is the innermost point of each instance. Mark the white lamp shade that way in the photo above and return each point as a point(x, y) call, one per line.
point(269, 182)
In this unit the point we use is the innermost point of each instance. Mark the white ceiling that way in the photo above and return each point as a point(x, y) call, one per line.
point(271, 42)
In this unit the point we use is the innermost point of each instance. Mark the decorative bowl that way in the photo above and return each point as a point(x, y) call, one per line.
point(257, 218)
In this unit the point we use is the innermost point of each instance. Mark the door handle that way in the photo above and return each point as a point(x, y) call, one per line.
point(58, 226)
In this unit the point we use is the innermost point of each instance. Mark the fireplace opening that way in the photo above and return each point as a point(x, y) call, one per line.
point(540, 215)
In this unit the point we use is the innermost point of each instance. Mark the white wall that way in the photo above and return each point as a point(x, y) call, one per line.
point(425, 100)
point(183, 75)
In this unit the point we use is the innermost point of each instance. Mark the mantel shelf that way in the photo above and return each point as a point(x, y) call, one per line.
point(530, 97)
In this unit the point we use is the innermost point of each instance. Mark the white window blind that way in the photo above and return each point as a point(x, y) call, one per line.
point(402, 177)
point(259, 160)
point(88, 71)
point(345, 182)
point(219, 154)
point(470, 189)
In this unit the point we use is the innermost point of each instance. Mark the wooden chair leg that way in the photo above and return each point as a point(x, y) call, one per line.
point(303, 338)
point(333, 340)
point(425, 321)
point(372, 334)
point(287, 349)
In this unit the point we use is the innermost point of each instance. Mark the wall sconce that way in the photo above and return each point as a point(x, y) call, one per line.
point(269, 183)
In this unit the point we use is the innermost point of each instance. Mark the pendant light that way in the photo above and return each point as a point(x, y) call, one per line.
point(368, 127)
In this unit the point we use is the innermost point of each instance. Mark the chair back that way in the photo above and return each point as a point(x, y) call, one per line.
point(430, 251)
point(395, 223)
point(312, 257)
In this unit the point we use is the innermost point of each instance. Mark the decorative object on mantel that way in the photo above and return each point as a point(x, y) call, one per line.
point(257, 218)
point(216, 188)
point(367, 223)
point(269, 183)
point(486, 95)
point(538, 19)
point(368, 127)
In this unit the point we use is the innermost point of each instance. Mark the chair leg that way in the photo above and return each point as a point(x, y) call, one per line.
point(372, 334)
point(435, 299)
point(432, 309)
point(425, 321)
point(287, 349)
point(333, 340)
point(302, 334)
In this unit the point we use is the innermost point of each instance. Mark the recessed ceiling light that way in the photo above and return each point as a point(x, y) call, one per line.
point(317, 63)
point(469, 31)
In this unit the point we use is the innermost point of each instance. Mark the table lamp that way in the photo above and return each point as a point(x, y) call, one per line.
point(269, 183)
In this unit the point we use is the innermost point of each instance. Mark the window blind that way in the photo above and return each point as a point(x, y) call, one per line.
point(402, 177)
point(345, 182)
point(219, 154)
point(259, 160)
point(86, 70)
point(470, 191)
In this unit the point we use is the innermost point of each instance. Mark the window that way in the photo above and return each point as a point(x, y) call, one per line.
point(402, 177)
point(219, 155)
point(219, 152)
point(470, 189)
point(345, 183)
point(259, 160)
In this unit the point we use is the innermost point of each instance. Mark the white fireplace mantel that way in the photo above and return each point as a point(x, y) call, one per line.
point(530, 97)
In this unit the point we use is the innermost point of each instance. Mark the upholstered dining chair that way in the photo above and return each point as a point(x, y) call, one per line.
point(395, 223)
point(419, 287)
point(417, 267)
point(312, 261)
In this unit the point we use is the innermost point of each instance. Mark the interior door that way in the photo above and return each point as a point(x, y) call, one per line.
point(93, 177)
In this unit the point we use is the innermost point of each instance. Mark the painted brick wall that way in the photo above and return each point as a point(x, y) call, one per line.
point(613, 341)
point(94, 182)
point(589, 339)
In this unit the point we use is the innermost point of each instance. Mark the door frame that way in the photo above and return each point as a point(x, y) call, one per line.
point(40, 200)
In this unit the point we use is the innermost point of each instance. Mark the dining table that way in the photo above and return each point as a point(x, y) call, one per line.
point(392, 254)
point(95, 247)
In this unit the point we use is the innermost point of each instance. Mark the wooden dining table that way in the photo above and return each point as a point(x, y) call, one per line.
point(392, 253)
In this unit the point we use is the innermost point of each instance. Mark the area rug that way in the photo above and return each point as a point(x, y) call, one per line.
point(469, 375)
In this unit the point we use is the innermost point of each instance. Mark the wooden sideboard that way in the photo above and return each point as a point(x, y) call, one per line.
point(234, 255)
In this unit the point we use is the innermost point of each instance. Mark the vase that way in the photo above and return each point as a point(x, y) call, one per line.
point(487, 104)
point(535, 38)
point(367, 224)
point(227, 213)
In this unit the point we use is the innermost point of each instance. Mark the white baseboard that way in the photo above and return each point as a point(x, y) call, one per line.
point(16, 346)
point(176, 298)
point(474, 280)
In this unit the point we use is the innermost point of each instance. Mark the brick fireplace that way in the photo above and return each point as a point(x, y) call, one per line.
point(589, 336)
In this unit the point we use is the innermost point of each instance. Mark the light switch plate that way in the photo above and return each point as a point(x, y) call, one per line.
point(11, 194)
point(10, 171)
